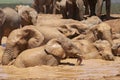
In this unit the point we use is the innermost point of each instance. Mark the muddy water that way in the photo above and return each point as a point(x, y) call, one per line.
point(93, 69)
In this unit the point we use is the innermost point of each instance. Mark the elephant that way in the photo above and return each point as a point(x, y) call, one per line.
point(31, 37)
point(100, 49)
point(72, 9)
point(105, 50)
point(103, 31)
point(8, 22)
point(88, 49)
point(72, 30)
point(96, 6)
point(19, 40)
point(28, 15)
point(48, 54)
point(44, 6)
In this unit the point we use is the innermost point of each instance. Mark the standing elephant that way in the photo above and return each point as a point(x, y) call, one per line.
point(28, 15)
point(96, 5)
point(73, 9)
point(43, 6)
point(31, 37)
point(9, 20)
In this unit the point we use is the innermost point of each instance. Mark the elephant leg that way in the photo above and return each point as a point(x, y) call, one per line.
point(108, 6)
point(70, 9)
point(64, 12)
point(1, 34)
point(99, 7)
point(41, 9)
point(92, 4)
point(80, 6)
point(86, 7)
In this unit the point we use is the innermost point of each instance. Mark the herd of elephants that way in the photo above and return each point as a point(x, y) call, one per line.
point(29, 44)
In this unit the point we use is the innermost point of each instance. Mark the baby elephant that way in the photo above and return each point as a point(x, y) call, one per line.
point(104, 49)
point(49, 54)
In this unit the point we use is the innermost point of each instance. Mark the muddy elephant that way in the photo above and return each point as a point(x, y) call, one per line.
point(104, 32)
point(96, 7)
point(43, 6)
point(49, 54)
point(104, 49)
point(72, 9)
point(28, 15)
point(88, 49)
point(19, 40)
point(8, 22)
point(31, 37)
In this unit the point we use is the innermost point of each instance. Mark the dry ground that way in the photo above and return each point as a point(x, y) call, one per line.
point(92, 69)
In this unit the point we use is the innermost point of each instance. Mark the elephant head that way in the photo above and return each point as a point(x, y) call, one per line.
point(63, 48)
point(104, 49)
point(54, 48)
point(19, 40)
point(28, 15)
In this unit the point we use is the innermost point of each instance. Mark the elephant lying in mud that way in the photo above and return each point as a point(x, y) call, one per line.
point(49, 54)
point(8, 22)
point(104, 32)
point(104, 49)
point(101, 49)
point(28, 15)
point(31, 37)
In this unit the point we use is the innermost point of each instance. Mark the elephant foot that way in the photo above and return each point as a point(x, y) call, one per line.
point(109, 57)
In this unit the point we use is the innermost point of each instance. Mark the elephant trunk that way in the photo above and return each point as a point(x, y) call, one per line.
point(108, 36)
point(70, 49)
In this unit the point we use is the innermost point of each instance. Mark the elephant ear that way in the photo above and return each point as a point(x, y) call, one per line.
point(33, 36)
point(54, 48)
point(2, 17)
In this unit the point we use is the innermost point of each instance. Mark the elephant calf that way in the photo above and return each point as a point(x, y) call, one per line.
point(49, 54)
point(34, 57)
point(104, 49)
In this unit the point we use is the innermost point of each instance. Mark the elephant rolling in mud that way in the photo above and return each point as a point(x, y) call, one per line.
point(19, 40)
point(49, 54)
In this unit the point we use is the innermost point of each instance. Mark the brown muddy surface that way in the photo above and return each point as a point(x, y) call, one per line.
point(92, 69)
